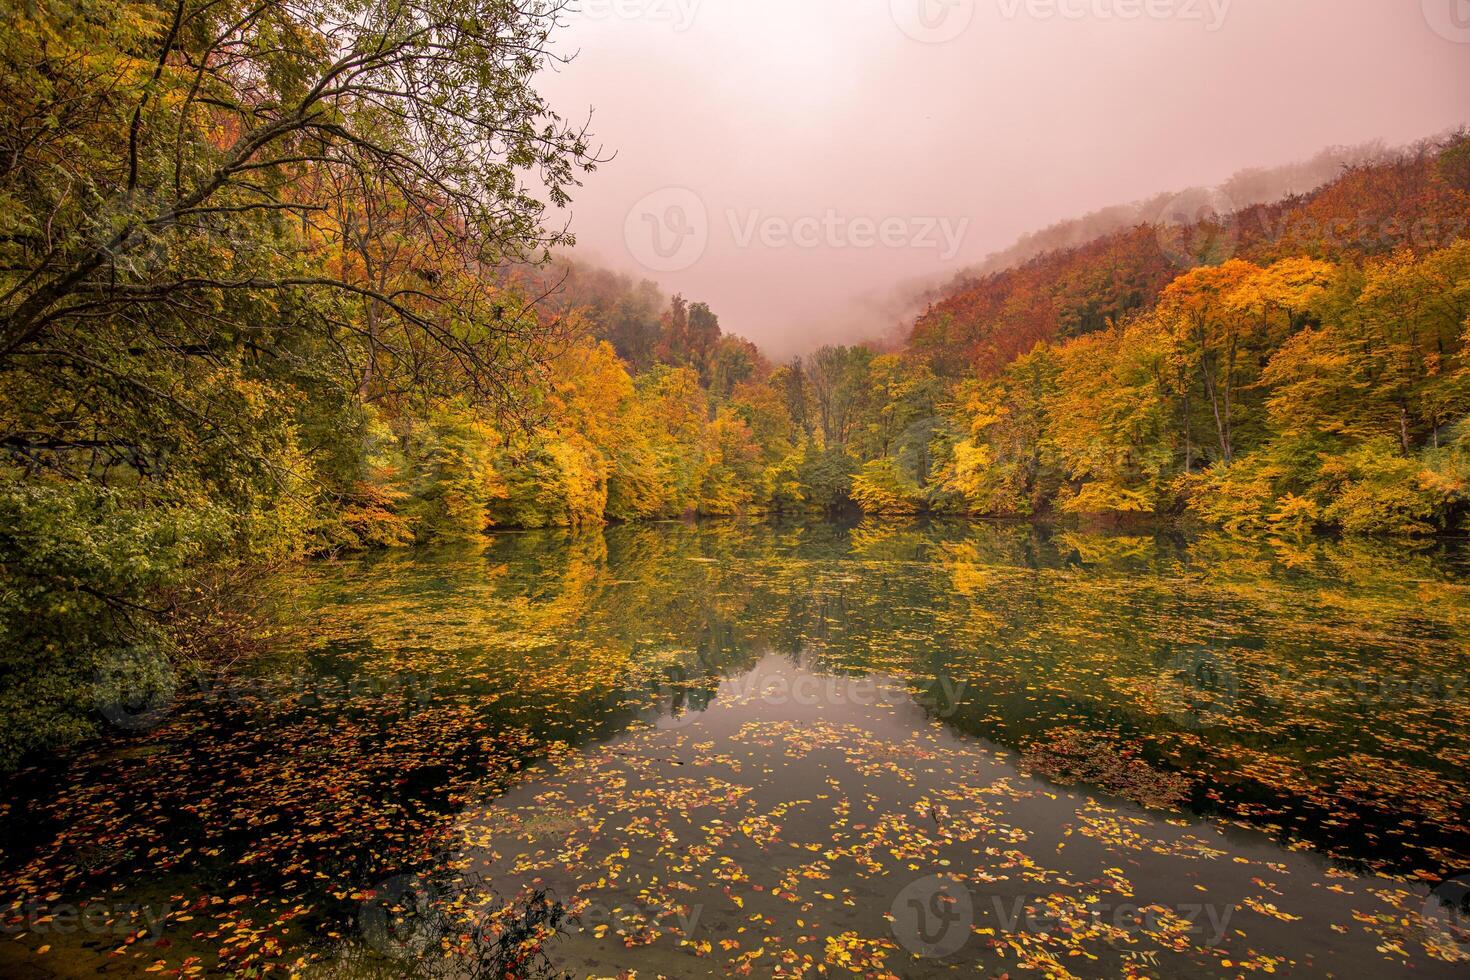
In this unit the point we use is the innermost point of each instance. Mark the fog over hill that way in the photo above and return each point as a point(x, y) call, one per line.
point(1256, 185)
point(770, 143)
point(882, 316)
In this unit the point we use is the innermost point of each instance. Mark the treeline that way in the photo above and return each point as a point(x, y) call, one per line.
point(1296, 367)
point(649, 410)
point(1293, 397)
point(1291, 367)
point(1414, 200)
point(1247, 188)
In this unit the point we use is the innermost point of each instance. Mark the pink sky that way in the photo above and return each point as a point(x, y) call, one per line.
point(799, 158)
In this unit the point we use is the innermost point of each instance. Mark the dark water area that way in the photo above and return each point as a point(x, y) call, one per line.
point(772, 749)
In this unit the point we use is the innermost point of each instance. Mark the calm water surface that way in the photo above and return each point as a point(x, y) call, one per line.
point(767, 749)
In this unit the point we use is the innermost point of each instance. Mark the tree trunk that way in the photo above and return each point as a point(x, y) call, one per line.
point(1188, 428)
point(1212, 390)
point(1228, 444)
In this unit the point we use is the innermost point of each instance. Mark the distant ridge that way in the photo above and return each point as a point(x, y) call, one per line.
point(1078, 276)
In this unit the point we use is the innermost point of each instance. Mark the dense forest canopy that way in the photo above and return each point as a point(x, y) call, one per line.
point(236, 237)
point(278, 280)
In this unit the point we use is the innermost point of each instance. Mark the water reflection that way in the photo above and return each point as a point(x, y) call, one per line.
point(847, 827)
point(1310, 691)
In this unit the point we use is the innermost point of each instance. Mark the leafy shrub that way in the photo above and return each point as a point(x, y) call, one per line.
point(1374, 490)
point(826, 476)
point(880, 488)
point(83, 569)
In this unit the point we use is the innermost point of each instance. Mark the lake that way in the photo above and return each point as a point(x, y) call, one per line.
point(772, 749)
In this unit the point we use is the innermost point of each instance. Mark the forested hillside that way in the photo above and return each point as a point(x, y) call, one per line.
point(1292, 366)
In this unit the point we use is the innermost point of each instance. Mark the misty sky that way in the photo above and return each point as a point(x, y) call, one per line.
point(791, 161)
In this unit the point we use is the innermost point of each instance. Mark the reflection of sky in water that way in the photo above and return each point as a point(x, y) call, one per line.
point(907, 718)
point(796, 808)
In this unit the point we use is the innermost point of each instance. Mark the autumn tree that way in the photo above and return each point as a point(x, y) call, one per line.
point(1210, 328)
point(1409, 320)
point(837, 379)
point(1006, 463)
point(234, 233)
point(733, 362)
point(1111, 419)
point(189, 195)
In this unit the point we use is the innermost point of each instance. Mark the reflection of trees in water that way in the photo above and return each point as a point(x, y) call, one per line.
point(449, 924)
point(1085, 619)
point(1219, 656)
point(1008, 631)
